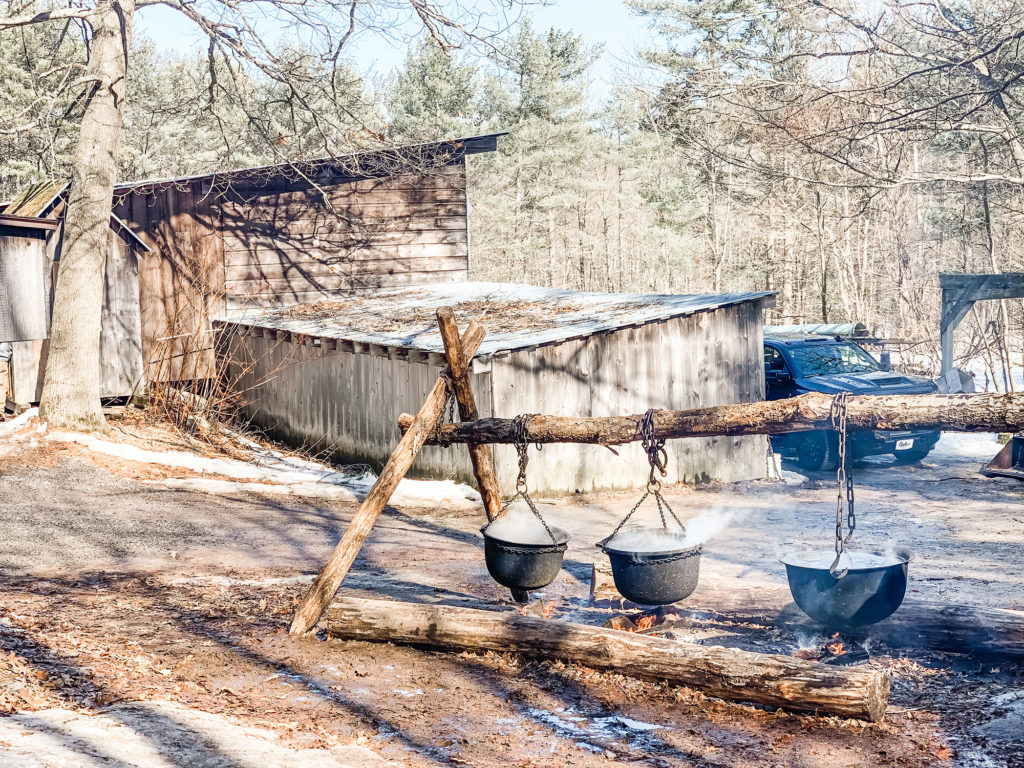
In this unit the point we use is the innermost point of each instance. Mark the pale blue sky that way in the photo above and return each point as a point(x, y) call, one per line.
point(608, 22)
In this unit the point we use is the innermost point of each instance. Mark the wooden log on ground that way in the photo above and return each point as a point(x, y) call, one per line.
point(728, 673)
point(955, 413)
point(333, 573)
point(918, 624)
point(481, 456)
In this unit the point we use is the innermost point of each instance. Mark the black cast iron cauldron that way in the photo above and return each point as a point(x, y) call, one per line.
point(654, 578)
point(865, 595)
point(522, 567)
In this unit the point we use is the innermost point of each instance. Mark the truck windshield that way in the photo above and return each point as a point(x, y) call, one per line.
point(828, 359)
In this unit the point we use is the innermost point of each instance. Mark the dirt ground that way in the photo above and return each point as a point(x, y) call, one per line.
point(141, 626)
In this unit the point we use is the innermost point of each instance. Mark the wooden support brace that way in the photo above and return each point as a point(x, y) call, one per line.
point(481, 456)
point(337, 566)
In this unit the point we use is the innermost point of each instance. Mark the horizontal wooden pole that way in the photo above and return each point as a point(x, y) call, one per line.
point(954, 413)
point(728, 673)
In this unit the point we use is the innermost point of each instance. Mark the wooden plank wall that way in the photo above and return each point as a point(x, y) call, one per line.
point(342, 402)
point(294, 246)
point(181, 280)
point(348, 401)
point(121, 334)
point(711, 358)
point(120, 331)
point(24, 285)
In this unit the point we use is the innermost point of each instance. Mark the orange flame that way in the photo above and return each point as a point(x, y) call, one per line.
point(836, 647)
point(647, 621)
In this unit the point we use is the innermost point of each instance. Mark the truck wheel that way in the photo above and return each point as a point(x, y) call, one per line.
point(818, 451)
point(912, 456)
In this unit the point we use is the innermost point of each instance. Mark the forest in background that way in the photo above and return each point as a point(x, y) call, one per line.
point(840, 153)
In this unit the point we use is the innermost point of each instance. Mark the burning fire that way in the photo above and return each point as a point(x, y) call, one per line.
point(836, 647)
point(646, 621)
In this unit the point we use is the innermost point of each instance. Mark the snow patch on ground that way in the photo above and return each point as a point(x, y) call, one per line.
point(965, 445)
point(268, 471)
point(611, 730)
point(156, 734)
point(274, 473)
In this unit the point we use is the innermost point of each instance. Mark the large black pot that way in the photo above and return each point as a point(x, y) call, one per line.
point(865, 595)
point(655, 578)
point(522, 567)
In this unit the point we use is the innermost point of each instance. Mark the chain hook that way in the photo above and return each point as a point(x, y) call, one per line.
point(844, 479)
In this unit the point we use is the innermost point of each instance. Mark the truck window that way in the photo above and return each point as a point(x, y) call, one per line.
point(773, 359)
point(830, 359)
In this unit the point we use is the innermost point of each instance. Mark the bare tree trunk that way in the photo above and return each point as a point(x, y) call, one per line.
point(71, 387)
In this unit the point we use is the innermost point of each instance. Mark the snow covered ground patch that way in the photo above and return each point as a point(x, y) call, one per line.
point(266, 471)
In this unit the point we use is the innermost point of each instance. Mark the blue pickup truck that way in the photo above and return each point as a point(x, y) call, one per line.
point(830, 364)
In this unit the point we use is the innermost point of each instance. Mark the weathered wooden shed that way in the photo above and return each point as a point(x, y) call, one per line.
point(292, 233)
point(31, 233)
point(337, 374)
point(185, 251)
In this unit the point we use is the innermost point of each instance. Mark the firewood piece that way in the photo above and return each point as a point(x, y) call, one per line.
point(728, 673)
point(481, 456)
point(918, 624)
point(954, 413)
point(333, 573)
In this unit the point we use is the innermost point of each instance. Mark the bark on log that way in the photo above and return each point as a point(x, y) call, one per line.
point(956, 413)
point(481, 456)
point(728, 673)
point(918, 624)
point(326, 583)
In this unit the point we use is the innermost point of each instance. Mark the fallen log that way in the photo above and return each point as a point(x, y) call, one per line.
point(955, 413)
point(728, 673)
point(481, 456)
point(327, 581)
point(918, 624)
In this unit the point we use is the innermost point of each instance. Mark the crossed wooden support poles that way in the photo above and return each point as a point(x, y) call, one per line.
point(459, 353)
point(960, 413)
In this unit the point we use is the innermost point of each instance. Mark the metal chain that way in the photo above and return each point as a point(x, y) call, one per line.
point(771, 469)
point(521, 439)
point(844, 477)
point(657, 457)
point(448, 407)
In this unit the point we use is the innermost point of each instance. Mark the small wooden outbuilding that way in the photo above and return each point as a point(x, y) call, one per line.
point(185, 251)
point(31, 232)
point(336, 375)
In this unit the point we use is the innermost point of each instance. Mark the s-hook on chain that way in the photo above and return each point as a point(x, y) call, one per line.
point(844, 479)
point(657, 457)
point(448, 407)
point(521, 439)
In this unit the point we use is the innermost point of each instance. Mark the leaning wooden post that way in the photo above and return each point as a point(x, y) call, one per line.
point(479, 454)
point(326, 584)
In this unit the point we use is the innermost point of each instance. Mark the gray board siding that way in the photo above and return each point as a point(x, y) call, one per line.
point(345, 398)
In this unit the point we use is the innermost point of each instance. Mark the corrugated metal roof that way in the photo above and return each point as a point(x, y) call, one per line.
point(516, 316)
point(468, 145)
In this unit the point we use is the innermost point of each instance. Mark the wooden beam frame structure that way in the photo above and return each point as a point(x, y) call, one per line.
point(454, 381)
point(959, 294)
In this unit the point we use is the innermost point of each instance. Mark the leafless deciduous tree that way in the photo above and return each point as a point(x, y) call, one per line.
point(242, 40)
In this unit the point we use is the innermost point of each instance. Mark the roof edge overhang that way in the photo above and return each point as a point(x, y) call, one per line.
point(374, 163)
point(28, 222)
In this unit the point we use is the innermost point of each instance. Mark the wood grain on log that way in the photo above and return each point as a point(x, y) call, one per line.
point(918, 624)
point(333, 573)
point(728, 673)
point(481, 456)
point(955, 413)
